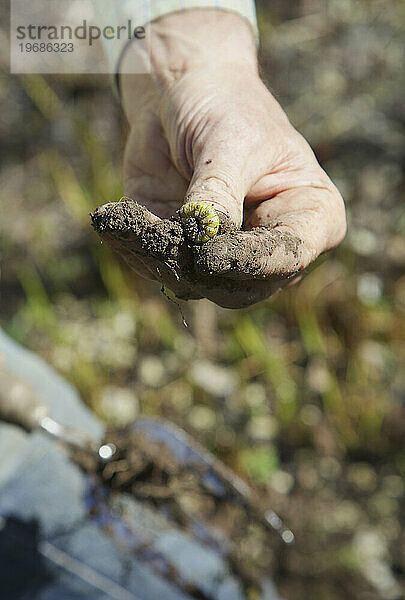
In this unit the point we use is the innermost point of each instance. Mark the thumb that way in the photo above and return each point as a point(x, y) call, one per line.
point(220, 182)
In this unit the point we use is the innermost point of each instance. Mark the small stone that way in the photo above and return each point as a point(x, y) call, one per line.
point(118, 406)
point(262, 428)
point(254, 394)
point(310, 415)
point(364, 242)
point(124, 324)
point(329, 467)
point(282, 482)
point(202, 418)
point(369, 288)
point(318, 377)
point(216, 380)
point(375, 354)
point(362, 476)
point(151, 371)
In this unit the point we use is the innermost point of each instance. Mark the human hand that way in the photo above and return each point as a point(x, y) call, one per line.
point(204, 128)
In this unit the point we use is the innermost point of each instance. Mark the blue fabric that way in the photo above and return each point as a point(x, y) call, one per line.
point(50, 545)
point(62, 399)
point(60, 539)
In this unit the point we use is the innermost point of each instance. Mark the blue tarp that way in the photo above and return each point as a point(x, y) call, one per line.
point(52, 547)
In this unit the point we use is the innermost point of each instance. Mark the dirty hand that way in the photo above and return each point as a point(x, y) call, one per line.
point(204, 127)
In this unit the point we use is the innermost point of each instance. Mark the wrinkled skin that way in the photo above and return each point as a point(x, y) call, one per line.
point(204, 127)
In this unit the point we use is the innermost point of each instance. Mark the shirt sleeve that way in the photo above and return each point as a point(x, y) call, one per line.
point(141, 12)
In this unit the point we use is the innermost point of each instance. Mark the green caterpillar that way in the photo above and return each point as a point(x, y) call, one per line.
point(200, 221)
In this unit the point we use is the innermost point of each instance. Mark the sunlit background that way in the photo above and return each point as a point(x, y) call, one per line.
point(303, 394)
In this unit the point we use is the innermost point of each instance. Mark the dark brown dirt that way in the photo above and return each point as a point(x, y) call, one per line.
point(246, 254)
point(147, 470)
point(234, 261)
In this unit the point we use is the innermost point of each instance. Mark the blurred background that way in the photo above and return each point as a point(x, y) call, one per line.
point(303, 395)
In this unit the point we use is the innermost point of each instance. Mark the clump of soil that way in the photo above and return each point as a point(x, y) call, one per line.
point(130, 223)
point(231, 261)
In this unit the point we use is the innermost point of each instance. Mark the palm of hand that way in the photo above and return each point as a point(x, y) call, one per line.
point(232, 144)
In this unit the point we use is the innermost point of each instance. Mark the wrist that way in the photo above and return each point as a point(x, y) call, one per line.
point(201, 40)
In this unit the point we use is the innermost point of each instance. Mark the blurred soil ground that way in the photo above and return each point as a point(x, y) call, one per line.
point(305, 394)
